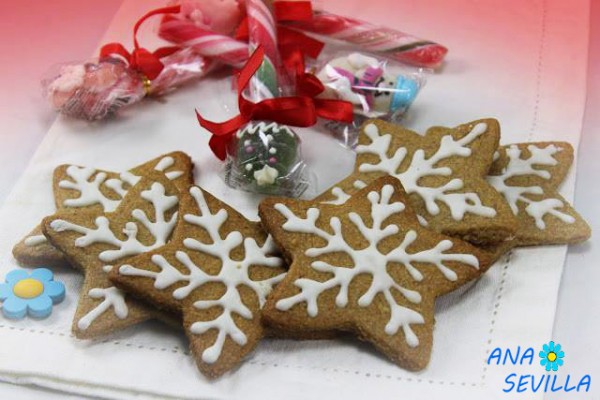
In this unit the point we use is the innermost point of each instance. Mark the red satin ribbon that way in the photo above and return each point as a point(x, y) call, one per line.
point(297, 111)
point(293, 110)
point(142, 60)
point(293, 10)
point(294, 47)
point(301, 110)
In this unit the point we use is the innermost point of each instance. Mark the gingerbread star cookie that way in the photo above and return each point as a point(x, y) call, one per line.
point(143, 221)
point(89, 189)
point(215, 274)
point(443, 173)
point(368, 267)
point(528, 176)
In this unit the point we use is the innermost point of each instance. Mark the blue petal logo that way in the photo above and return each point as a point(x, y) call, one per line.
point(551, 356)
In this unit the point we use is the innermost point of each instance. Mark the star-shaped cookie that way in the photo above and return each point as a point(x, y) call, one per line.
point(368, 267)
point(143, 221)
point(89, 189)
point(528, 176)
point(443, 173)
point(215, 273)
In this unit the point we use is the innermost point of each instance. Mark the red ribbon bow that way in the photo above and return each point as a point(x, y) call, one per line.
point(294, 47)
point(142, 60)
point(294, 110)
point(293, 10)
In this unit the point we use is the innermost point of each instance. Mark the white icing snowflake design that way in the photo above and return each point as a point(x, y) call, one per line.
point(89, 182)
point(159, 226)
point(369, 260)
point(233, 273)
point(519, 166)
point(420, 166)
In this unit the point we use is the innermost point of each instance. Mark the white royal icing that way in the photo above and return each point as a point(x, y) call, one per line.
point(518, 166)
point(159, 226)
point(342, 197)
point(112, 298)
point(89, 182)
point(166, 163)
point(233, 273)
point(89, 188)
point(458, 203)
point(257, 127)
point(422, 221)
point(35, 240)
point(369, 260)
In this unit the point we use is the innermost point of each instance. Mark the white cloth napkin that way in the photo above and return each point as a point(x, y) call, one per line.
point(523, 64)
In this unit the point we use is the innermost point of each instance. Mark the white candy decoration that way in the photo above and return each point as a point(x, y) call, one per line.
point(369, 260)
point(420, 167)
point(233, 273)
point(159, 226)
point(266, 175)
point(518, 166)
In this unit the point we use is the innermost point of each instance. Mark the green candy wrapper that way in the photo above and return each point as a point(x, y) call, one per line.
point(265, 158)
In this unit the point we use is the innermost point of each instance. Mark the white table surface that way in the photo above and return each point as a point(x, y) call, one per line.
point(37, 34)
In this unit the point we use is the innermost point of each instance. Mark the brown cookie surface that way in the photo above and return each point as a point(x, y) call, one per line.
point(86, 188)
point(443, 173)
point(215, 274)
point(143, 221)
point(368, 267)
point(528, 176)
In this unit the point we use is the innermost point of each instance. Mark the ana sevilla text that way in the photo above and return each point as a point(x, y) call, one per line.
point(542, 382)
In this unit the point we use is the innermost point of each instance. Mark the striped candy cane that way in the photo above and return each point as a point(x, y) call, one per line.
point(262, 31)
point(204, 42)
point(392, 43)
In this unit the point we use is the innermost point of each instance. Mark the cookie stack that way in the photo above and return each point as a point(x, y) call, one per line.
point(419, 217)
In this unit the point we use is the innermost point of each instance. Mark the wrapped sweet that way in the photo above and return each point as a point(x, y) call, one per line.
point(94, 89)
point(369, 84)
point(376, 87)
point(389, 42)
point(265, 158)
point(260, 150)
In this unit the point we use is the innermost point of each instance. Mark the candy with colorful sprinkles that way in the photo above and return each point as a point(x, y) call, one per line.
point(266, 159)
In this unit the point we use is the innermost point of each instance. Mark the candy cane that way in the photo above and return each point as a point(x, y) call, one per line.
point(262, 31)
point(392, 43)
point(207, 43)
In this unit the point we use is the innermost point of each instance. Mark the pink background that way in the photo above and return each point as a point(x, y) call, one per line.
point(34, 35)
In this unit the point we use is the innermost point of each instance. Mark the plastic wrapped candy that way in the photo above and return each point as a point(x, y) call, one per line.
point(377, 87)
point(265, 158)
point(390, 43)
point(370, 84)
point(95, 89)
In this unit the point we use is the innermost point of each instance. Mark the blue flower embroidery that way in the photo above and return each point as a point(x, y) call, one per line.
point(551, 356)
point(32, 294)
